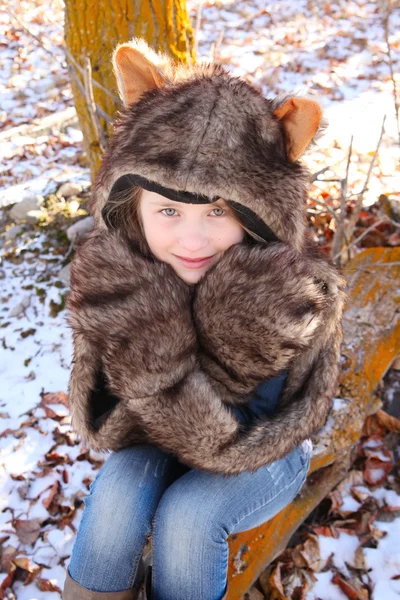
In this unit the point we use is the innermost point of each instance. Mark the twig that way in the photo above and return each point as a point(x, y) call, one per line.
point(215, 46)
point(394, 223)
point(94, 82)
point(314, 176)
point(101, 112)
point(91, 105)
point(197, 26)
point(218, 43)
point(383, 219)
point(340, 223)
point(336, 179)
point(360, 237)
point(389, 53)
point(328, 208)
point(349, 229)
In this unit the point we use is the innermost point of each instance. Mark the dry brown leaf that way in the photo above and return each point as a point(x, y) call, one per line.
point(359, 559)
point(336, 499)
point(391, 423)
point(359, 495)
point(18, 477)
point(376, 471)
point(24, 563)
point(271, 583)
point(376, 533)
point(54, 491)
point(7, 582)
point(45, 585)
point(372, 426)
point(298, 558)
point(311, 553)
point(326, 531)
point(348, 588)
point(7, 556)
point(27, 530)
point(55, 398)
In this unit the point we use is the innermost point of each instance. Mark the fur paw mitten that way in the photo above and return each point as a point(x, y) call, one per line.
point(133, 335)
point(258, 309)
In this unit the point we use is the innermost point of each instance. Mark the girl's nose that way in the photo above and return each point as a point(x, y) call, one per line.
point(193, 242)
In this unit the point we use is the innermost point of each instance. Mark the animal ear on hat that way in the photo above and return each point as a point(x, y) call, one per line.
point(300, 118)
point(136, 71)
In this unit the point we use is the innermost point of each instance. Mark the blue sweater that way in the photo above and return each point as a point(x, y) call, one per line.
point(263, 400)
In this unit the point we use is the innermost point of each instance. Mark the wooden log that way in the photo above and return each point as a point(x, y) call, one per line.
point(371, 343)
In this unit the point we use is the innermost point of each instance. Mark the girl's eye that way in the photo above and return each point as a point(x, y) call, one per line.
point(222, 212)
point(168, 214)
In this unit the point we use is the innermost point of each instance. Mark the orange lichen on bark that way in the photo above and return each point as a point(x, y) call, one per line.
point(371, 343)
point(94, 29)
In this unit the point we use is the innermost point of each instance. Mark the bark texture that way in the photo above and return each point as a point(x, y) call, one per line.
point(93, 30)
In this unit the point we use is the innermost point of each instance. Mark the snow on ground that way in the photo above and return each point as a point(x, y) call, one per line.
point(334, 52)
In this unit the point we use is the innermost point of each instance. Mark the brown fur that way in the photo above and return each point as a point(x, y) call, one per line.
point(259, 310)
point(159, 361)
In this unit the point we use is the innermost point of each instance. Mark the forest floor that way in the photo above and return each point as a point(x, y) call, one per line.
point(346, 55)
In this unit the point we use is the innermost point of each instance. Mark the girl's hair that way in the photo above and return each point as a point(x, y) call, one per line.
point(123, 213)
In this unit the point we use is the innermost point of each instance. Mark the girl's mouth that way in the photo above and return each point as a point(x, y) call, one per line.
point(194, 263)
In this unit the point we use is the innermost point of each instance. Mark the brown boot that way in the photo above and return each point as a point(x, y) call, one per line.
point(74, 591)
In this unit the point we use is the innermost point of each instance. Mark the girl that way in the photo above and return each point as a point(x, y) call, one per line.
point(201, 295)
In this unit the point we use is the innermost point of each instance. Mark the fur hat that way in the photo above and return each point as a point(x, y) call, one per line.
point(196, 134)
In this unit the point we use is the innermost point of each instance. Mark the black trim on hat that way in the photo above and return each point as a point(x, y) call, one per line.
point(253, 222)
point(127, 181)
point(248, 217)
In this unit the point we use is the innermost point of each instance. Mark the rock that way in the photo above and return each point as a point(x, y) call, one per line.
point(80, 229)
point(31, 203)
point(33, 216)
point(13, 232)
point(69, 189)
point(19, 308)
point(65, 275)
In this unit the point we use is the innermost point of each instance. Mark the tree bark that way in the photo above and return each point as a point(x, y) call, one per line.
point(93, 29)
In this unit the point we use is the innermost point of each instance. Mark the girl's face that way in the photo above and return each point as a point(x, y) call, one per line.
point(189, 237)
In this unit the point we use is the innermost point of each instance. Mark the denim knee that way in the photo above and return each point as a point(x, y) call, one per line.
point(117, 517)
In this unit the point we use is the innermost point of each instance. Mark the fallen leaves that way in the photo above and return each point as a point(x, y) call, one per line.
point(351, 509)
point(27, 530)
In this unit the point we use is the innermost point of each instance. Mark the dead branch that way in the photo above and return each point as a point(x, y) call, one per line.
point(44, 125)
point(314, 176)
point(94, 82)
point(360, 237)
point(386, 23)
point(91, 105)
point(100, 111)
point(340, 223)
point(327, 208)
point(352, 221)
point(197, 26)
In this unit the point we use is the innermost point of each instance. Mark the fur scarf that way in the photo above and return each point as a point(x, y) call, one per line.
point(159, 361)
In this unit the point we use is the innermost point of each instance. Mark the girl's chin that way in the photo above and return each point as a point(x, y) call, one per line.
point(191, 278)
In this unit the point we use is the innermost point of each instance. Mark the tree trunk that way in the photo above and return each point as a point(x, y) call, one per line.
point(92, 31)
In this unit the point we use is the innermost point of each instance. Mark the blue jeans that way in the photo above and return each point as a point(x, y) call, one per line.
point(141, 491)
